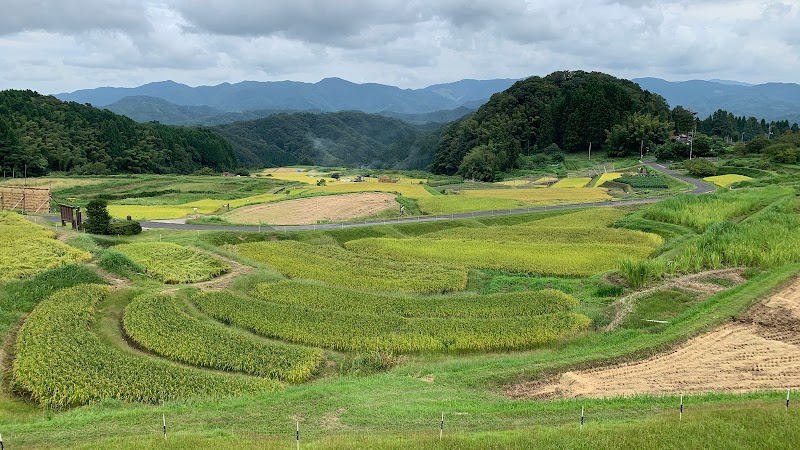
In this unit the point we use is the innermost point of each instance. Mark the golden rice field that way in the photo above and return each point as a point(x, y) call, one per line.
point(573, 182)
point(569, 260)
point(500, 199)
point(61, 362)
point(587, 218)
point(27, 248)
point(725, 180)
point(414, 191)
point(172, 263)
point(339, 267)
point(205, 206)
point(608, 176)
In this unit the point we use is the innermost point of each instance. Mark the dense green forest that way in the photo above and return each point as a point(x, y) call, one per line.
point(568, 109)
point(40, 134)
point(334, 139)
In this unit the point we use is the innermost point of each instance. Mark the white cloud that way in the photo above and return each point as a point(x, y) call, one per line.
point(59, 46)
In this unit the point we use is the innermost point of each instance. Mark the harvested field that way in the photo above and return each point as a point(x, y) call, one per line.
point(758, 352)
point(311, 210)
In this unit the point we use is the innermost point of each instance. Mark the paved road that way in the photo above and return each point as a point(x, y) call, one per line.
point(700, 188)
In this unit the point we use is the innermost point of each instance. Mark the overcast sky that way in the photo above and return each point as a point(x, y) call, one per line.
point(62, 45)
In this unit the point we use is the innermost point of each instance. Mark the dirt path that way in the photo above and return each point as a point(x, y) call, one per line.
point(697, 283)
point(115, 281)
point(223, 282)
point(761, 351)
point(311, 210)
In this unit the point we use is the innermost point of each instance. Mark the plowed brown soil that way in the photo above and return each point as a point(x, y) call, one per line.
point(760, 351)
point(307, 211)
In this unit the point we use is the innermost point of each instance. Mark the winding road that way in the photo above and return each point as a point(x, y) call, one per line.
point(700, 187)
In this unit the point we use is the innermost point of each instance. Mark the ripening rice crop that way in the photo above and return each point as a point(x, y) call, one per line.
point(60, 362)
point(353, 331)
point(587, 218)
point(359, 270)
point(608, 176)
point(725, 180)
point(531, 234)
point(766, 240)
point(473, 200)
point(414, 191)
point(573, 260)
point(172, 263)
point(496, 306)
point(139, 211)
point(27, 248)
point(160, 324)
point(701, 211)
point(572, 182)
point(551, 196)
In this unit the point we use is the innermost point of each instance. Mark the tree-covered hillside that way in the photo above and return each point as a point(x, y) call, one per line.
point(568, 109)
point(344, 138)
point(41, 134)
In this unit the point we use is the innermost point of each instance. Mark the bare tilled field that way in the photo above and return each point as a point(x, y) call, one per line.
point(760, 351)
point(306, 211)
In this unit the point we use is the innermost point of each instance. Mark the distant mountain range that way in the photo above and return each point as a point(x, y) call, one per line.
point(328, 95)
point(142, 108)
point(169, 102)
point(771, 101)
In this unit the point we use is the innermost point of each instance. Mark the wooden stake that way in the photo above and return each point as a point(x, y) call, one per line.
point(680, 417)
point(441, 427)
point(297, 435)
point(164, 419)
point(582, 417)
point(787, 398)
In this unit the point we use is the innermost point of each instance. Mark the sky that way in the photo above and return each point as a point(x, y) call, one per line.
point(55, 46)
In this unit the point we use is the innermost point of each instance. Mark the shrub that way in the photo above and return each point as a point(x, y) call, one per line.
point(700, 167)
point(99, 220)
point(125, 228)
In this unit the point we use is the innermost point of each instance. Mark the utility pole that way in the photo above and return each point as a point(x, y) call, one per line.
point(590, 150)
point(641, 150)
point(691, 143)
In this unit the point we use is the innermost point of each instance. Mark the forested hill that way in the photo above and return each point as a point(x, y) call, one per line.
point(45, 134)
point(343, 138)
point(569, 109)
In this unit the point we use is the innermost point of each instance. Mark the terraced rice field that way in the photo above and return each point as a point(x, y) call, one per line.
point(161, 324)
point(172, 263)
point(344, 330)
point(60, 362)
point(339, 267)
point(608, 176)
point(725, 180)
point(27, 248)
point(572, 182)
